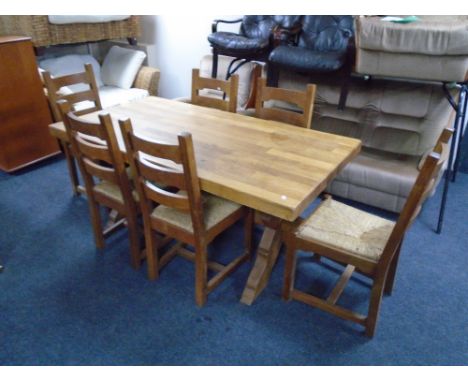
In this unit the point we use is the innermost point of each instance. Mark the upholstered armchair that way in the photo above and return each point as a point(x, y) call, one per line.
point(324, 50)
point(253, 42)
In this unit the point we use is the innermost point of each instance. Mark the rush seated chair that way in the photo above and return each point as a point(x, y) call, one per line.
point(54, 86)
point(95, 147)
point(253, 42)
point(181, 211)
point(361, 241)
point(324, 50)
point(285, 105)
point(215, 93)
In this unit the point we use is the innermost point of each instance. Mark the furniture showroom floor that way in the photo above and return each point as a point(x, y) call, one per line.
point(63, 303)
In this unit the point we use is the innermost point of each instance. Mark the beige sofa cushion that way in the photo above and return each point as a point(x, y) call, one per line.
point(430, 35)
point(376, 198)
point(414, 66)
point(376, 170)
point(432, 48)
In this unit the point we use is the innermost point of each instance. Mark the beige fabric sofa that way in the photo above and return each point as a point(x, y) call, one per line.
point(398, 124)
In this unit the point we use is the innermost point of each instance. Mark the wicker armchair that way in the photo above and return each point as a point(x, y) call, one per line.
point(44, 33)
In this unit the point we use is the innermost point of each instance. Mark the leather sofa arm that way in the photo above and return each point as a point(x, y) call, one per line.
point(148, 79)
point(214, 25)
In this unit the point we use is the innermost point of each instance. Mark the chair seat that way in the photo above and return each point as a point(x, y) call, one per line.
point(215, 210)
point(345, 228)
point(307, 60)
point(112, 191)
point(233, 41)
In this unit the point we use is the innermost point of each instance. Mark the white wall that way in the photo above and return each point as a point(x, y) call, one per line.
point(177, 43)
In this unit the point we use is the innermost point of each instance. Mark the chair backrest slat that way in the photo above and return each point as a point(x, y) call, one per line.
point(157, 149)
point(71, 79)
point(74, 98)
point(229, 88)
point(420, 191)
point(304, 100)
point(166, 198)
point(101, 172)
point(161, 174)
point(93, 150)
point(53, 86)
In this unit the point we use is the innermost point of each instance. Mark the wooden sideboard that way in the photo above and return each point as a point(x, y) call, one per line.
point(24, 112)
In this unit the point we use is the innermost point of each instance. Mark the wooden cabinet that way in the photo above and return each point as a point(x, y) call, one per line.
point(24, 112)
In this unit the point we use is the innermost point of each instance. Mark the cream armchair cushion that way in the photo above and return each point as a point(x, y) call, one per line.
point(121, 66)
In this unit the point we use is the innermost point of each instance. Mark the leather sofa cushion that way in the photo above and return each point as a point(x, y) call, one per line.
point(326, 33)
point(229, 40)
point(258, 26)
point(254, 34)
point(306, 60)
point(287, 21)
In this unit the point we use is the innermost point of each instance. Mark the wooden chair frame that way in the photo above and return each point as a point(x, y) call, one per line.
point(148, 161)
point(381, 272)
point(229, 87)
point(95, 147)
point(53, 86)
point(305, 100)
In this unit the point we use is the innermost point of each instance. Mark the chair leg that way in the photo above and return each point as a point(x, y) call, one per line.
point(96, 222)
point(152, 258)
point(289, 270)
point(391, 272)
point(248, 233)
point(134, 238)
point(201, 274)
point(72, 171)
point(374, 306)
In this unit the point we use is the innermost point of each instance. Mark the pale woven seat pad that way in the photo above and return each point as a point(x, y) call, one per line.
point(112, 191)
point(342, 227)
point(215, 210)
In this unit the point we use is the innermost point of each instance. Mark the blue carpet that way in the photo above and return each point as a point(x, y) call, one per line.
point(63, 303)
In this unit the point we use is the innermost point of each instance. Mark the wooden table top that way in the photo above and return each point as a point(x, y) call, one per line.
point(269, 166)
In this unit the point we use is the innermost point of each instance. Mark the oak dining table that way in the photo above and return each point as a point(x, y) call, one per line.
point(274, 168)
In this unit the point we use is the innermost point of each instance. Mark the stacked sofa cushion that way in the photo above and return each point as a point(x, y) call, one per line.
point(430, 48)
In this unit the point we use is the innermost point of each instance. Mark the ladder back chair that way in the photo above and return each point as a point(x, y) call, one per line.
point(181, 211)
point(226, 89)
point(302, 100)
point(362, 241)
point(95, 147)
point(54, 86)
